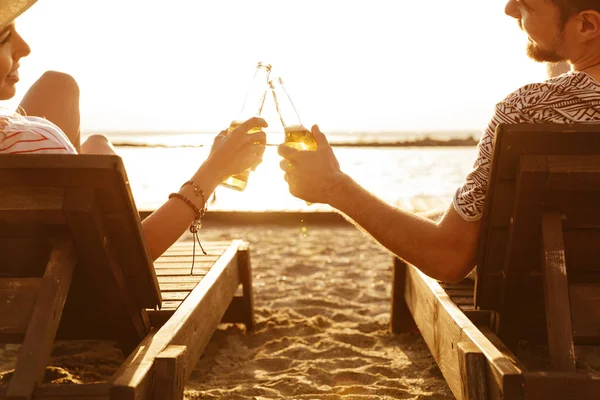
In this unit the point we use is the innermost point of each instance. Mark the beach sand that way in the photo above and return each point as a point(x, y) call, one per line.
point(322, 302)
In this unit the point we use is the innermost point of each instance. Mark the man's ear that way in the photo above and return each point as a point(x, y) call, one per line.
point(588, 25)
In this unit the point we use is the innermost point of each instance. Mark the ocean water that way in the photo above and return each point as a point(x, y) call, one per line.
point(412, 178)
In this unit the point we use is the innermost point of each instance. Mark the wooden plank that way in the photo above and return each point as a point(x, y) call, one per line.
point(464, 293)
point(171, 305)
point(187, 259)
point(236, 312)
point(521, 257)
point(585, 312)
point(181, 272)
point(171, 296)
point(554, 139)
point(443, 326)
point(561, 386)
point(573, 172)
point(178, 287)
point(472, 370)
point(401, 320)
point(192, 325)
point(179, 279)
point(169, 368)
point(556, 293)
point(94, 391)
point(37, 346)
point(97, 261)
point(26, 204)
point(245, 272)
point(17, 301)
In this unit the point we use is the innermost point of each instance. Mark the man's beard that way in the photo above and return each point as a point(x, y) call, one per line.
point(538, 54)
point(542, 55)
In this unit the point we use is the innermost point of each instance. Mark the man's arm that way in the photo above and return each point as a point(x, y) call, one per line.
point(444, 250)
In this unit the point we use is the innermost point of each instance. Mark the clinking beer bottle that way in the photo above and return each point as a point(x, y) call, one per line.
point(296, 135)
point(253, 104)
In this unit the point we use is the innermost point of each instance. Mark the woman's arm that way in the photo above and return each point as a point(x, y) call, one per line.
point(231, 154)
point(164, 226)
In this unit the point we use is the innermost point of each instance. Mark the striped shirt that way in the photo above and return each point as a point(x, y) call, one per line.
point(31, 135)
point(573, 97)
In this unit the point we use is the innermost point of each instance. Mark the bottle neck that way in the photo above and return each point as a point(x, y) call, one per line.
point(256, 94)
point(285, 107)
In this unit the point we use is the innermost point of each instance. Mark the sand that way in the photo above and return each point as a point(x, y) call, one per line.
point(322, 302)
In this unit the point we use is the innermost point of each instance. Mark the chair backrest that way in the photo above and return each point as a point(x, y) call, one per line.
point(86, 198)
point(537, 169)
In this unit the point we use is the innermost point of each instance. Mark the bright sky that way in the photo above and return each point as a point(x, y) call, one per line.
point(349, 65)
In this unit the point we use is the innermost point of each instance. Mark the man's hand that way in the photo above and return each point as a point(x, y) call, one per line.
point(311, 175)
point(234, 153)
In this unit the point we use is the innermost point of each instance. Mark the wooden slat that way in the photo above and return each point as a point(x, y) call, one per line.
point(25, 204)
point(467, 292)
point(97, 391)
point(177, 287)
point(17, 301)
point(98, 263)
point(170, 296)
point(245, 272)
point(552, 139)
point(36, 348)
point(191, 325)
point(187, 259)
point(199, 272)
point(401, 320)
point(573, 172)
point(169, 375)
point(558, 311)
point(171, 305)
point(179, 279)
point(472, 370)
point(585, 312)
point(521, 256)
point(443, 326)
point(561, 386)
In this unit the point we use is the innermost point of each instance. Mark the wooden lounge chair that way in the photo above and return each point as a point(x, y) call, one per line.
point(73, 265)
point(538, 273)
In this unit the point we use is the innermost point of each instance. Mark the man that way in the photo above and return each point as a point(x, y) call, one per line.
point(558, 30)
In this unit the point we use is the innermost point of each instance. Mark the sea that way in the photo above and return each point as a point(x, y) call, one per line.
point(394, 166)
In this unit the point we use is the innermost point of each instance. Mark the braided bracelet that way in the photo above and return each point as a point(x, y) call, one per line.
point(198, 192)
point(187, 201)
point(194, 226)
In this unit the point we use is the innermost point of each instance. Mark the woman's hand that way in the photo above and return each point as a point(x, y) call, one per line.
point(239, 150)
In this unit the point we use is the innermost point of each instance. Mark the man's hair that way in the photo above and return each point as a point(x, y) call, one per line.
point(569, 8)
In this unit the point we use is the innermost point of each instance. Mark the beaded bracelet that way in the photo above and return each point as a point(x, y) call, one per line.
point(198, 192)
point(195, 225)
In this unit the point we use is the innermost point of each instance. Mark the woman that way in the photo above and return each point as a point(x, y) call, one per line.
point(47, 121)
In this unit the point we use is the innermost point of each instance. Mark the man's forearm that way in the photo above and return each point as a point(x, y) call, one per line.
point(417, 240)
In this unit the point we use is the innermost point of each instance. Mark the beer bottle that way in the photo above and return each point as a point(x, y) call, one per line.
point(296, 135)
point(252, 107)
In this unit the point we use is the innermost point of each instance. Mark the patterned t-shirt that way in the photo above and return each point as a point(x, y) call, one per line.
point(31, 135)
point(573, 97)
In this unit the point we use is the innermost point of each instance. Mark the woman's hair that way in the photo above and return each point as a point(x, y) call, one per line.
point(569, 8)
